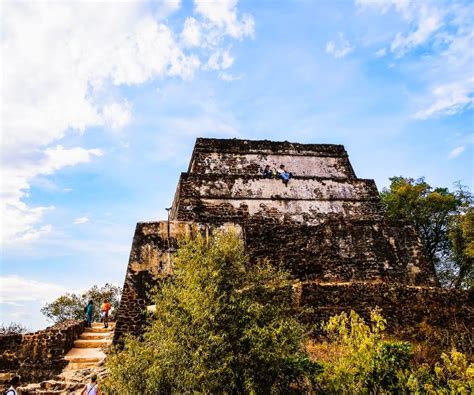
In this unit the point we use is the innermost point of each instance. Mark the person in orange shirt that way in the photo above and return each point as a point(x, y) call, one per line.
point(105, 312)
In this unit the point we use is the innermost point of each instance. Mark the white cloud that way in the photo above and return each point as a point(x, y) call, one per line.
point(444, 31)
point(61, 62)
point(117, 115)
point(191, 36)
point(429, 21)
point(449, 99)
point(381, 53)
point(165, 8)
point(340, 47)
point(81, 220)
point(230, 77)
point(456, 152)
point(16, 289)
point(18, 220)
point(220, 60)
point(223, 15)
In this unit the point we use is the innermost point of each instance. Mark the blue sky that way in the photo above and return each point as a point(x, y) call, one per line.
point(102, 104)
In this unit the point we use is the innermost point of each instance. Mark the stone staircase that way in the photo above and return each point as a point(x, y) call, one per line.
point(88, 349)
point(84, 359)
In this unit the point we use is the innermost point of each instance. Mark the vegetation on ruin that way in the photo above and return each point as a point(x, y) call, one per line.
point(227, 325)
point(71, 305)
point(358, 359)
point(222, 325)
point(445, 222)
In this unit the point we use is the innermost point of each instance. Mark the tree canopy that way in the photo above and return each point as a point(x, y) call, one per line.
point(444, 220)
point(223, 324)
point(71, 305)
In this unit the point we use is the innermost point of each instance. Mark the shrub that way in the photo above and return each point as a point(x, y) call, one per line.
point(221, 325)
point(452, 375)
point(365, 362)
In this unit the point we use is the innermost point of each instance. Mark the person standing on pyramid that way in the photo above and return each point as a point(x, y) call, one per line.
point(89, 310)
point(105, 312)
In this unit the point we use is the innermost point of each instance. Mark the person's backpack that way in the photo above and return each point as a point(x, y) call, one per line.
point(274, 172)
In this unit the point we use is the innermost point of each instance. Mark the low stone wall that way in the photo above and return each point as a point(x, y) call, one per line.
point(40, 355)
point(413, 313)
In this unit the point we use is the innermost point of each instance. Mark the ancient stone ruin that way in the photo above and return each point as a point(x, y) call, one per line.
point(326, 226)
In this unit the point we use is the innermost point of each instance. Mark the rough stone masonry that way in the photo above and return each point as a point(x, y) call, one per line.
point(326, 226)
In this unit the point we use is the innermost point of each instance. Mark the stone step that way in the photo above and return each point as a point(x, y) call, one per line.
point(98, 330)
point(85, 355)
point(95, 335)
point(92, 343)
point(82, 365)
point(101, 325)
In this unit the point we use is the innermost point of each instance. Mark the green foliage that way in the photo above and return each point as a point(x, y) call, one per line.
point(461, 235)
point(71, 306)
point(366, 363)
point(222, 325)
point(452, 375)
point(444, 221)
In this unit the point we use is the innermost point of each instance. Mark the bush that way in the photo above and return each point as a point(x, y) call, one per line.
point(221, 325)
point(365, 362)
point(452, 375)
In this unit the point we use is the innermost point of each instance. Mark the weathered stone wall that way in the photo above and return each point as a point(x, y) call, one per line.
point(340, 251)
point(234, 156)
point(148, 263)
point(40, 355)
point(255, 187)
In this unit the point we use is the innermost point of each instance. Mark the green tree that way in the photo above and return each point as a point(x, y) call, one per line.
point(438, 216)
point(71, 305)
point(221, 325)
point(461, 235)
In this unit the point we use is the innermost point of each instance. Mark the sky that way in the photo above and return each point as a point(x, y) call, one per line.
point(101, 104)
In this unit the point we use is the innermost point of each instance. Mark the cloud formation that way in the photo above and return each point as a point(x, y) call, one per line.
point(81, 220)
point(340, 47)
point(62, 62)
point(13, 290)
point(456, 152)
point(443, 30)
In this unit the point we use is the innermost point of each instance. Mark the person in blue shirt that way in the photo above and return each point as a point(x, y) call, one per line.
point(89, 310)
point(284, 175)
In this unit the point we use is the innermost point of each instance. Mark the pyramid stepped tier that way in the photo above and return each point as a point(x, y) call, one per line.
point(249, 157)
